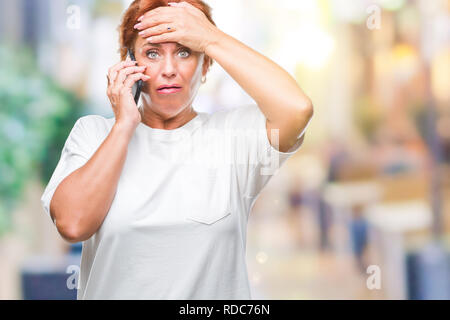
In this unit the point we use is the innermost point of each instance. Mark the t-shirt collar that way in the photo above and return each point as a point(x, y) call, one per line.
point(174, 134)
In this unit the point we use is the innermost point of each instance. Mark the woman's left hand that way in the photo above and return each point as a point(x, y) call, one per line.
point(189, 26)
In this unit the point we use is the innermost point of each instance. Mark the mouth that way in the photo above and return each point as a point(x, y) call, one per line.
point(168, 89)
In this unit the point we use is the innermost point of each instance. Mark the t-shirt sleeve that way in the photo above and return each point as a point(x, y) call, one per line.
point(77, 150)
point(256, 159)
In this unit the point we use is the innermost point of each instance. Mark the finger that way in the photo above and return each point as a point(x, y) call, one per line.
point(125, 72)
point(157, 30)
point(131, 79)
point(165, 37)
point(150, 13)
point(115, 69)
point(120, 65)
point(153, 21)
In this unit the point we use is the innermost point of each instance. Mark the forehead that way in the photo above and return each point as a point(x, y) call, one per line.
point(144, 44)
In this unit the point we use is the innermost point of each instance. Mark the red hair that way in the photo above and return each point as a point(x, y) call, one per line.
point(127, 33)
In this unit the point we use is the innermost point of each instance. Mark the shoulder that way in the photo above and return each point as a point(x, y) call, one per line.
point(238, 117)
point(93, 119)
point(243, 110)
point(93, 128)
point(94, 123)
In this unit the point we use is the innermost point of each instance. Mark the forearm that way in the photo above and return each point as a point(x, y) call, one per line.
point(274, 90)
point(82, 199)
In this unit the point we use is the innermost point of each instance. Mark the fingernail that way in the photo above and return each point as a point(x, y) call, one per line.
point(137, 26)
point(146, 77)
point(140, 18)
point(141, 33)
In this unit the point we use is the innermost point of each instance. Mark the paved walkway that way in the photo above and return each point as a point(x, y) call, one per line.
point(284, 261)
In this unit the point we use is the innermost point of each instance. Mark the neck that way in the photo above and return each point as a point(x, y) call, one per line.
point(157, 120)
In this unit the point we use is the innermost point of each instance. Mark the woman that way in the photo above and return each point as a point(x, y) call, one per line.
point(159, 217)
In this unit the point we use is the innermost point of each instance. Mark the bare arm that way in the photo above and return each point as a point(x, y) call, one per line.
point(82, 200)
point(282, 101)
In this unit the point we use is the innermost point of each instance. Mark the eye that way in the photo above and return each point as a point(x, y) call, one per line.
point(187, 51)
point(150, 52)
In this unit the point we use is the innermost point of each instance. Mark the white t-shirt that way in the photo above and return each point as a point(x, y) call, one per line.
point(177, 226)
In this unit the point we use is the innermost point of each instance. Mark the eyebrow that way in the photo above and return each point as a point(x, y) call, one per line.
point(158, 45)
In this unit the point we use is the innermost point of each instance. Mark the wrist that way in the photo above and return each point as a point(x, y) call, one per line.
point(124, 129)
point(213, 41)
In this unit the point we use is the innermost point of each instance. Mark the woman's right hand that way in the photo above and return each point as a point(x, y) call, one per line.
point(122, 77)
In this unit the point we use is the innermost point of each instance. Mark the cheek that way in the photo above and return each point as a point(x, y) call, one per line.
point(196, 74)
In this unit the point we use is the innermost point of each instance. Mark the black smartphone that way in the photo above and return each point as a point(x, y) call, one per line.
point(137, 87)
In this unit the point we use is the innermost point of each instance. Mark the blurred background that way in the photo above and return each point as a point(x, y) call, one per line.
point(361, 211)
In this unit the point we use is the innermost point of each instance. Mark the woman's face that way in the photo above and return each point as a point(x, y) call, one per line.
point(169, 64)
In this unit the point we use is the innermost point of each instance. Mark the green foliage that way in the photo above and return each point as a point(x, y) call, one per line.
point(36, 116)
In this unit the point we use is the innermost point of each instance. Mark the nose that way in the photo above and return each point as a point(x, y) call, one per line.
point(169, 67)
